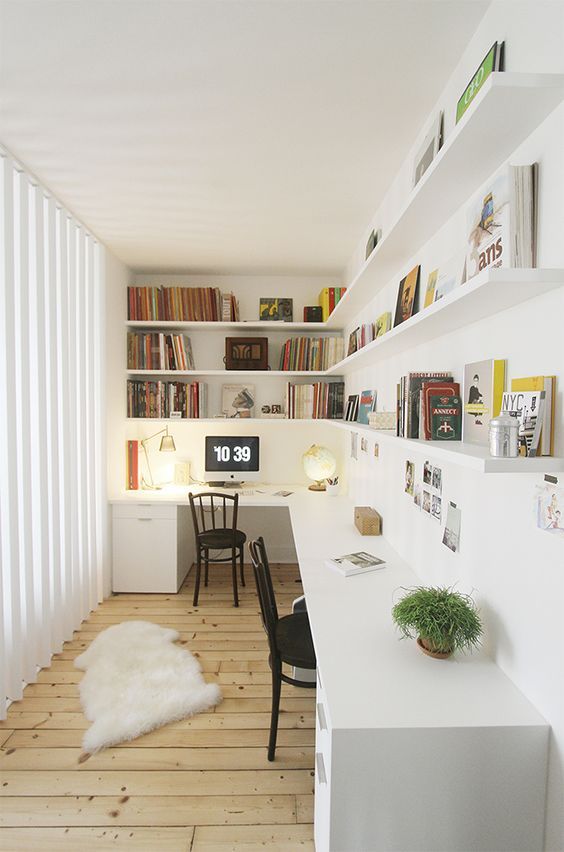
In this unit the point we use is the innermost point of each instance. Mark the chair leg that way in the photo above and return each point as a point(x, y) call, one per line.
point(207, 567)
point(242, 564)
point(276, 688)
point(197, 584)
point(234, 574)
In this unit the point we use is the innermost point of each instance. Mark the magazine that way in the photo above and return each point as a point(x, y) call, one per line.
point(356, 563)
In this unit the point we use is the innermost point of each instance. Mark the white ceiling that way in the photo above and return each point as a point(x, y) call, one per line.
point(224, 135)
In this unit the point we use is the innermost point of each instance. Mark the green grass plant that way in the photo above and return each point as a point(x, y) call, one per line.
point(445, 620)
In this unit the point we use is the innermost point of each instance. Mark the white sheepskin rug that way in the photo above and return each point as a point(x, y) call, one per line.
point(137, 680)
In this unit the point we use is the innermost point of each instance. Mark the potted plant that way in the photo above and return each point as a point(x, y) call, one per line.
point(442, 620)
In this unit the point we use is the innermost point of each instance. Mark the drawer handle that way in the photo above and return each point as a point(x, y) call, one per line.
point(321, 717)
point(144, 519)
point(321, 776)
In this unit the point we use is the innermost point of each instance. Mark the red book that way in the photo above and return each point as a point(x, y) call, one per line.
point(429, 389)
point(133, 465)
point(331, 300)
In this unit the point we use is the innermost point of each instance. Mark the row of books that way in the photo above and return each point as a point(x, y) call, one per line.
point(182, 304)
point(159, 351)
point(166, 399)
point(329, 297)
point(430, 406)
point(311, 353)
point(320, 400)
point(366, 333)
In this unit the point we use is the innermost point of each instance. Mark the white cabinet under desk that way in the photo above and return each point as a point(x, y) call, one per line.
point(151, 546)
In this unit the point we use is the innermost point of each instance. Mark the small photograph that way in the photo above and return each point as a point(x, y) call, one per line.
point(436, 507)
point(437, 479)
point(451, 535)
point(409, 477)
point(427, 472)
point(407, 296)
point(426, 502)
point(276, 310)
point(417, 494)
point(550, 508)
point(237, 400)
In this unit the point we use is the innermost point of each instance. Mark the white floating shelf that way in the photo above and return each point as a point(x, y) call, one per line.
point(507, 109)
point(488, 293)
point(228, 420)
point(460, 453)
point(288, 374)
point(245, 325)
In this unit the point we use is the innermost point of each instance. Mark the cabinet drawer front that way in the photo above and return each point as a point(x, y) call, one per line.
point(144, 555)
point(145, 511)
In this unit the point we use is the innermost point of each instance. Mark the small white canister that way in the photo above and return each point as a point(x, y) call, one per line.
point(504, 436)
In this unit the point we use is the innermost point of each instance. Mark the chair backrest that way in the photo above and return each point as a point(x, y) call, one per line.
point(263, 580)
point(207, 505)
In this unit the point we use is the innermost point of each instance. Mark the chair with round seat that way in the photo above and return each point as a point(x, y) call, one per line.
point(212, 531)
point(289, 637)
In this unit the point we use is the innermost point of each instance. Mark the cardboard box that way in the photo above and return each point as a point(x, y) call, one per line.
point(367, 520)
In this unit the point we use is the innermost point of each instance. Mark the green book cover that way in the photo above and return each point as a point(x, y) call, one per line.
point(486, 67)
point(446, 418)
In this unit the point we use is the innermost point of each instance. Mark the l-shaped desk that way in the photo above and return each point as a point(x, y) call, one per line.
point(412, 753)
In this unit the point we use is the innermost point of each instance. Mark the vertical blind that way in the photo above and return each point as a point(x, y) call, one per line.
point(52, 488)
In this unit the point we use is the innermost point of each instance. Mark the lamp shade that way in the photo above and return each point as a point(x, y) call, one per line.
point(319, 463)
point(167, 444)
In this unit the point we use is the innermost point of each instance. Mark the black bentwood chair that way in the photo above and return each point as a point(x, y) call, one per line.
point(212, 536)
point(289, 637)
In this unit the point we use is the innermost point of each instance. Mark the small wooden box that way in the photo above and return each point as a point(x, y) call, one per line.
point(367, 520)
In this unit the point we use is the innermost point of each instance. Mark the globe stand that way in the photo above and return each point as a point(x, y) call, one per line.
point(317, 486)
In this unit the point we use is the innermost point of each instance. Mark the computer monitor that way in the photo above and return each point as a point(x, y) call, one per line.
point(230, 460)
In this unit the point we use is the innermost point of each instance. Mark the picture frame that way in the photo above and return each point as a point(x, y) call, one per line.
point(276, 310)
point(407, 296)
point(429, 149)
point(246, 353)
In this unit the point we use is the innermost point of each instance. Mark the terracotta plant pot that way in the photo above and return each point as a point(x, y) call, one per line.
point(431, 652)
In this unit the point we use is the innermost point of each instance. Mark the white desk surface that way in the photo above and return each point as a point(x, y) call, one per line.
point(371, 678)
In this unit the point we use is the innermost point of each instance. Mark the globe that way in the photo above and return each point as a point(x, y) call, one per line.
point(319, 464)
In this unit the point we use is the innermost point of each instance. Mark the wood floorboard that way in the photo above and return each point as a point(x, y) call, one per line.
point(198, 785)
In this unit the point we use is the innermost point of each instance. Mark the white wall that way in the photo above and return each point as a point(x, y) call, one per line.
point(515, 570)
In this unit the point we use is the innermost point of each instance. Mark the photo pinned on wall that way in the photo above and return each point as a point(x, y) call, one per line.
point(427, 472)
point(549, 506)
point(417, 494)
point(436, 507)
point(437, 479)
point(451, 535)
point(409, 477)
point(426, 501)
point(407, 296)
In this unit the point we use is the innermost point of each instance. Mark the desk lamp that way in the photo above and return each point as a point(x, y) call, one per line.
point(167, 446)
point(319, 464)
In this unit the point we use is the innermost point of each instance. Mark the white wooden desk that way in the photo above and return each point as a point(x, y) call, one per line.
point(412, 753)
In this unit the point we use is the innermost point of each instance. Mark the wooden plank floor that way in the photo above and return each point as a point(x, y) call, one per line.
point(199, 785)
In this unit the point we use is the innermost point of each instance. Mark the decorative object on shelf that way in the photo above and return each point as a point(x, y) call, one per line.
point(528, 408)
point(332, 486)
point(246, 353)
point(372, 242)
point(409, 477)
point(329, 298)
point(313, 313)
point(272, 411)
point(167, 446)
point(549, 504)
point(484, 382)
point(446, 418)
point(355, 563)
point(319, 464)
point(442, 620)
point(237, 400)
point(276, 310)
point(504, 436)
point(430, 288)
point(367, 520)
point(366, 405)
point(132, 465)
point(501, 221)
point(382, 324)
point(548, 384)
point(429, 149)
point(492, 61)
point(407, 296)
point(352, 407)
point(451, 535)
point(383, 420)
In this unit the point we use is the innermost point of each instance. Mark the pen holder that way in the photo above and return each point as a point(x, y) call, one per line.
point(332, 490)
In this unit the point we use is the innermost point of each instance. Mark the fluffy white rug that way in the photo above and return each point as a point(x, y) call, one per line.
point(137, 680)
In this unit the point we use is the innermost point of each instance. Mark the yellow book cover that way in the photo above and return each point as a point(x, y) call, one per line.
point(547, 384)
point(324, 303)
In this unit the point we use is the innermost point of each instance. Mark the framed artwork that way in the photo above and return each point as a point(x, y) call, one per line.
point(276, 310)
point(407, 295)
point(237, 400)
point(246, 353)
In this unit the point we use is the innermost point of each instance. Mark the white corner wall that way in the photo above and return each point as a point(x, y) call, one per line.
point(515, 571)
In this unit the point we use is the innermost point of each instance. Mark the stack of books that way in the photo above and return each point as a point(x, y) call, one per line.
point(321, 400)
point(159, 351)
point(166, 399)
point(182, 304)
point(311, 353)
